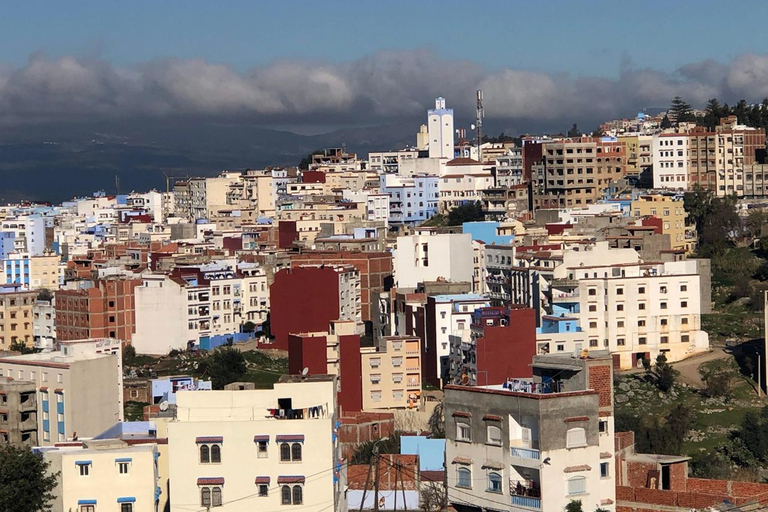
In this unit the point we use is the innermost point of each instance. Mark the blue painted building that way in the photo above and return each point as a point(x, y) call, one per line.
point(487, 231)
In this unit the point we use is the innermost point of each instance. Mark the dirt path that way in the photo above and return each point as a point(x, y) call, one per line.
point(689, 368)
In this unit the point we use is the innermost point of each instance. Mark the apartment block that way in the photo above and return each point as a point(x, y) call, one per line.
point(536, 443)
point(104, 310)
point(451, 258)
point(18, 412)
point(412, 199)
point(79, 388)
point(108, 474)
point(268, 448)
point(392, 373)
point(577, 172)
point(16, 316)
point(308, 298)
point(672, 213)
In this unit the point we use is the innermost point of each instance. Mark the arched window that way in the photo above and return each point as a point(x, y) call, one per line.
point(216, 453)
point(297, 494)
point(464, 478)
point(296, 451)
point(286, 495)
point(577, 485)
point(205, 497)
point(494, 482)
point(216, 497)
point(205, 454)
point(285, 452)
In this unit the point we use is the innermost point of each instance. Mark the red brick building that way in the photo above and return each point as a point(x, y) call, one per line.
point(106, 310)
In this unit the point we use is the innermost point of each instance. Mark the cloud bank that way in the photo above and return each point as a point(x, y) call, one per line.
point(382, 87)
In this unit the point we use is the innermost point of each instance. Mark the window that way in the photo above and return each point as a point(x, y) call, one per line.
point(577, 485)
point(494, 435)
point(296, 452)
point(663, 305)
point(216, 454)
point(602, 426)
point(593, 291)
point(464, 478)
point(641, 323)
point(126, 507)
point(593, 325)
point(620, 324)
point(641, 305)
point(619, 291)
point(683, 287)
point(641, 289)
point(664, 321)
point(592, 308)
point(263, 490)
point(494, 482)
point(261, 449)
point(641, 340)
point(216, 497)
point(620, 342)
point(286, 495)
point(663, 289)
point(685, 338)
point(122, 468)
point(684, 304)
point(664, 339)
point(297, 495)
point(684, 321)
point(85, 469)
point(604, 473)
point(576, 438)
point(463, 432)
point(285, 452)
point(619, 307)
point(87, 508)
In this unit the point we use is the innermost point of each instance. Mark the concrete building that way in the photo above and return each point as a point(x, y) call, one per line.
point(16, 317)
point(495, 332)
point(636, 311)
point(18, 412)
point(392, 373)
point(104, 475)
point(451, 258)
point(309, 298)
point(44, 324)
point(440, 128)
point(534, 444)
point(671, 161)
point(412, 199)
point(286, 433)
point(80, 387)
point(672, 214)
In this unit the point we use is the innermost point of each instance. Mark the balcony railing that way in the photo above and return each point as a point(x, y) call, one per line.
point(525, 453)
point(526, 501)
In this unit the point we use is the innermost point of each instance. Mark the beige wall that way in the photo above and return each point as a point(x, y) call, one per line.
point(16, 318)
point(672, 213)
point(392, 376)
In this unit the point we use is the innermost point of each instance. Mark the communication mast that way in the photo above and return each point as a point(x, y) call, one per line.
point(479, 124)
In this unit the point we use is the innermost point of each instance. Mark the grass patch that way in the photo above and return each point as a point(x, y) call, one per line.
point(134, 411)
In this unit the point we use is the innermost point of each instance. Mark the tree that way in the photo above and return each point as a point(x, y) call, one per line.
point(468, 212)
point(756, 220)
point(224, 366)
point(436, 422)
point(663, 374)
point(20, 346)
point(719, 376)
point(25, 484)
point(574, 506)
point(45, 294)
point(680, 111)
point(364, 451)
point(129, 355)
point(665, 122)
point(751, 433)
point(249, 326)
point(433, 497)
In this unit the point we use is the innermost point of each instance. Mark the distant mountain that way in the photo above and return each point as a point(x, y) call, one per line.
point(57, 162)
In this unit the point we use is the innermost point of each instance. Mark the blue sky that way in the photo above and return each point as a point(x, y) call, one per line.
point(578, 37)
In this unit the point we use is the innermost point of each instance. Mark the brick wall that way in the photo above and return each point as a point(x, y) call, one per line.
point(601, 380)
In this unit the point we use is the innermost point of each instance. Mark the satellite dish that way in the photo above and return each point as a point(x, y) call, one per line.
point(305, 372)
point(164, 405)
point(472, 127)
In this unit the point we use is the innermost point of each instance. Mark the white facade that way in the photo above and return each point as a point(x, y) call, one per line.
point(453, 317)
point(431, 256)
point(44, 324)
point(104, 475)
point(240, 450)
point(671, 160)
point(440, 127)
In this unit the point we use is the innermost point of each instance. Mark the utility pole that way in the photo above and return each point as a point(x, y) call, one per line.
point(376, 478)
point(367, 482)
point(479, 124)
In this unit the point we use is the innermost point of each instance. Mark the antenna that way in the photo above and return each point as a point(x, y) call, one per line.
point(117, 184)
point(479, 124)
point(305, 371)
point(164, 405)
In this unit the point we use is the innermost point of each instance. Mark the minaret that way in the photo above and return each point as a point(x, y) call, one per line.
point(440, 126)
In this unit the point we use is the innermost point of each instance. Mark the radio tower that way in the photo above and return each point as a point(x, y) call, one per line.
point(479, 125)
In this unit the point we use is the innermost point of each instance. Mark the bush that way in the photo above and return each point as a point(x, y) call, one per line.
point(719, 377)
point(224, 366)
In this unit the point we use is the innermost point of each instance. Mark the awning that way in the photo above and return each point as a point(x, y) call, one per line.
point(124, 459)
point(461, 414)
point(290, 438)
point(462, 460)
point(290, 479)
point(491, 417)
point(126, 499)
point(86, 502)
point(577, 469)
point(83, 462)
point(259, 439)
point(262, 480)
point(211, 480)
point(209, 439)
point(558, 366)
point(492, 464)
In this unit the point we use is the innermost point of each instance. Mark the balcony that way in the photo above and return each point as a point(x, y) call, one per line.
point(525, 494)
point(526, 501)
point(525, 453)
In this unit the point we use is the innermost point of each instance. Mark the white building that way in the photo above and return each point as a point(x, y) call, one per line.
point(260, 449)
point(429, 256)
point(534, 444)
point(80, 387)
point(44, 324)
point(104, 475)
point(453, 317)
point(440, 127)
point(671, 160)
